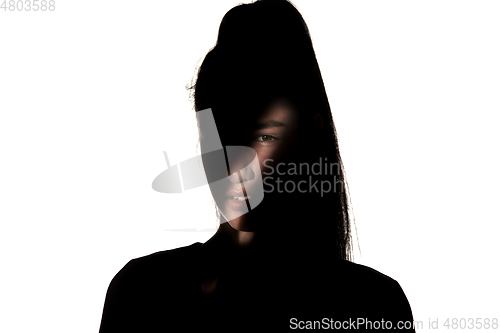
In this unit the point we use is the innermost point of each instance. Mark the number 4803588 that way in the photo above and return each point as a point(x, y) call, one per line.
point(28, 5)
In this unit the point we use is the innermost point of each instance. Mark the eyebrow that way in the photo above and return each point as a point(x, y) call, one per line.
point(268, 124)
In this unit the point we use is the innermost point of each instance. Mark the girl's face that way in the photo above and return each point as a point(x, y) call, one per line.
point(272, 137)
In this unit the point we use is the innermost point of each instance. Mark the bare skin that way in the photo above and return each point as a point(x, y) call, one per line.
point(274, 136)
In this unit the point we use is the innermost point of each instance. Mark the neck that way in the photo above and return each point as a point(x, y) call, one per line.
point(243, 239)
point(228, 237)
point(228, 242)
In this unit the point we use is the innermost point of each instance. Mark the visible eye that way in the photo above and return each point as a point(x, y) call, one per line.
point(265, 138)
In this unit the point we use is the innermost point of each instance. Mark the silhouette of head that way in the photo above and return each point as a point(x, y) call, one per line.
point(263, 84)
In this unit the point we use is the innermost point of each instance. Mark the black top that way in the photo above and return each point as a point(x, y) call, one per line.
point(162, 292)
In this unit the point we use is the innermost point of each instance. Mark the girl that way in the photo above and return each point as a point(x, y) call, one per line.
point(282, 263)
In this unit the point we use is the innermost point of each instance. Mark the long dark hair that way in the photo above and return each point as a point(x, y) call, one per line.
point(263, 52)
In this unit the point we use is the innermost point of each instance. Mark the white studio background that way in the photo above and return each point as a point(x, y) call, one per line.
point(92, 93)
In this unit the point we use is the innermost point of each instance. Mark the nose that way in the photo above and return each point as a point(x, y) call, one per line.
point(243, 175)
point(240, 163)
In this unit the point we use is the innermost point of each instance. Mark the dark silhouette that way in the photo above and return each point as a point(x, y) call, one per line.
point(284, 264)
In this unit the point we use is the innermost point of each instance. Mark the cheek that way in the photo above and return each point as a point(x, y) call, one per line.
point(267, 158)
point(272, 155)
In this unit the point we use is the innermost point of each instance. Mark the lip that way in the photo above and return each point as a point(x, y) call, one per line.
point(236, 204)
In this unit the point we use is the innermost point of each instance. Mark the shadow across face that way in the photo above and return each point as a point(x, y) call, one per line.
point(234, 171)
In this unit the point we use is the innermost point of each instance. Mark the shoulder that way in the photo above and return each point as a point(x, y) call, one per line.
point(154, 274)
point(177, 255)
point(364, 274)
point(375, 291)
point(164, 265)
point(163, 262)
point(368, 280)
point(148, 285)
